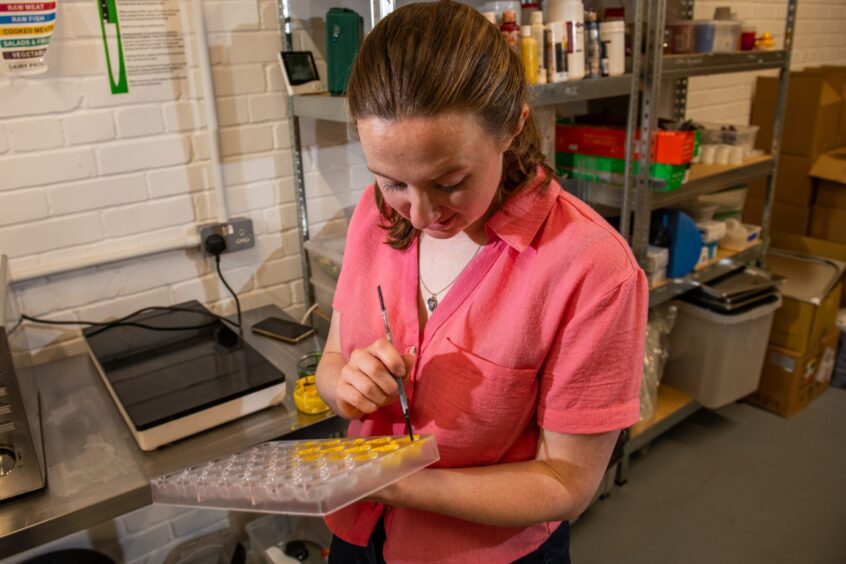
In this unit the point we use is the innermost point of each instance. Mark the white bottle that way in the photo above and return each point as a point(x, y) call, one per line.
point(572, 13)
point(537, 33)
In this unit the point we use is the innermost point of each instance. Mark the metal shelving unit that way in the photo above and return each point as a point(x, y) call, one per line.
point(673, 70)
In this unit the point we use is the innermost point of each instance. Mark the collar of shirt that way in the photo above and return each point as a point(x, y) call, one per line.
point(519, 220)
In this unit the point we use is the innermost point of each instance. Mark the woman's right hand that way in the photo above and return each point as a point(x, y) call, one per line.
point(367, 382)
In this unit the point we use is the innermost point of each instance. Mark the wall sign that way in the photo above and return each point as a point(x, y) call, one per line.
point(25, 31)
point(144, 43)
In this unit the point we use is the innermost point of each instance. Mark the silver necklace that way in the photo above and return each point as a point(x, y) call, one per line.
point(432, 302)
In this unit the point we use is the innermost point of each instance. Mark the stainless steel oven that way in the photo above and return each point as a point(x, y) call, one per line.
point(21, 448)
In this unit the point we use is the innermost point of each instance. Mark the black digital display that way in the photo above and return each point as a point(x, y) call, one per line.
point(300, 67)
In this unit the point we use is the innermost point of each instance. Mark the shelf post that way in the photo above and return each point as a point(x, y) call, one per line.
point(631, 122)
point(286, 26)
point(778, 126)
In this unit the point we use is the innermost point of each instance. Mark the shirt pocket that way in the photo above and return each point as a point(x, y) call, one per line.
point(477, 408)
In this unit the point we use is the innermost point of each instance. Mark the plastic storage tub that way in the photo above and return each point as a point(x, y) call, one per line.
point(325, 255)
point(270, 535)
point(717, 358)
point(681, 37)
point(324, 293)
point(717, 36)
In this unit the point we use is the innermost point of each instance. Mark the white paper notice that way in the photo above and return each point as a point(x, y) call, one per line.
point(144, 42)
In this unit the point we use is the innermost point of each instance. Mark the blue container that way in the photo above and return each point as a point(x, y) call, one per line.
point(704, 36)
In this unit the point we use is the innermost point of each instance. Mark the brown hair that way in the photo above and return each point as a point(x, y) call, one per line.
point(435, 57)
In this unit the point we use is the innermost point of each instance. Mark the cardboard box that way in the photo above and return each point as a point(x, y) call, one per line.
point(831, 194)
point(828, 224)
point(837, 77)
point(811, 246)
point(790, 380)
point(784, 217)
point(794, 185)
point(798, 326)
point(811, 118)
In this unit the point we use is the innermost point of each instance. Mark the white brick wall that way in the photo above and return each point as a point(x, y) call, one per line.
point(85, 173)
point(819, 39)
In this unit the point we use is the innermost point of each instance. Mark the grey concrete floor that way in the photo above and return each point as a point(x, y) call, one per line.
point(735, 485)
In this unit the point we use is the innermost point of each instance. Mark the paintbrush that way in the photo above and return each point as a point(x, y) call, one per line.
point(402, 398)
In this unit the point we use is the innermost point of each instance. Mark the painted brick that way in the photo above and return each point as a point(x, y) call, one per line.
point(287, 269)
point(124, 305)
point(143, 154)
point(209, 288)
point(149, 516)
point(232, 15)
point(89, 127)
point(268, 9)
point(240, 79)
point(34, 97)
point(4, 143)
point(35, 134)
point(292, 242)
point(282, 136)
point(232, 111)
point(205, 207)
point(298, 291)
point(179, 180)
point(243, 170)
point(20, 171)
point(246, 139)
point(152, 215)
point(252, 47)
point(267, 107)
point(137, 121)
point(200, 145)
point(251, 197)
point(182, 116)
point(280, 218)
point(96, 193)
point(66, 291)
point(268, 248)
point(50, 234)
point(327, 182)
point(280, 296)
point(22, 206)
point(286, 191)
point(71, 58)
point(275, 82)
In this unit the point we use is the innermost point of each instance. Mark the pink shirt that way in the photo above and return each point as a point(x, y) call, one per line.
point(544, 328)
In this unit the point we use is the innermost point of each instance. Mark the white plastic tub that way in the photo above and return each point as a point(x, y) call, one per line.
point(718, 358)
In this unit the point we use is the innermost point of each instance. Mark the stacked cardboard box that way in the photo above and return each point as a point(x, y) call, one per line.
point(801, 351)
point(815, 108)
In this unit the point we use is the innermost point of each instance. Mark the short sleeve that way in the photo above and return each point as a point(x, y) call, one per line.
point(590, 381)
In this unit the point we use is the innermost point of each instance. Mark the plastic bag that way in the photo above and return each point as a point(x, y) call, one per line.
point(658, 328)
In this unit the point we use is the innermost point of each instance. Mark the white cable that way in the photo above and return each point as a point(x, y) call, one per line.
point(308, 312)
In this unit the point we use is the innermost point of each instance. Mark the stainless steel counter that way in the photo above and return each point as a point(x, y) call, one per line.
point(95, 469)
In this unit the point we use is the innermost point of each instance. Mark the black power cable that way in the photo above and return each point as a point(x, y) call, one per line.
point(216, 244)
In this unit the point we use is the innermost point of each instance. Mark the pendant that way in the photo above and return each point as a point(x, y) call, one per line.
point(432, 303)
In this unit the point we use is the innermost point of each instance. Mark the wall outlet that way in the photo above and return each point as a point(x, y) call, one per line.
point(238, 234)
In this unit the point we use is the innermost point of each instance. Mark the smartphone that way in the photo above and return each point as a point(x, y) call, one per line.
point(282, 329)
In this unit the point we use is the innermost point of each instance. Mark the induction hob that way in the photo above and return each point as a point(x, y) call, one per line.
point(172, 384)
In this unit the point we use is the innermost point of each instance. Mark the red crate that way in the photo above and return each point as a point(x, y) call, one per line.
point(668, 147)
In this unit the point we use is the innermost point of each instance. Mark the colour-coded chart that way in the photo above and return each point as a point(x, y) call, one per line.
point(25, 31)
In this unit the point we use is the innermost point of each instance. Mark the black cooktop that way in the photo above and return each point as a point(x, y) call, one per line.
point(160, 376)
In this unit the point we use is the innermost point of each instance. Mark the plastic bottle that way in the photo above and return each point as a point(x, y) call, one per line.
point(572, 13)
point(526, 11)
point(529, 54)
point(510, 30)
point(593, 50)
point(556, 52)
point(537, 34)
point(613, 36)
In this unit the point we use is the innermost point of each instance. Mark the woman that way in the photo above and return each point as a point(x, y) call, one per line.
point(525, 309)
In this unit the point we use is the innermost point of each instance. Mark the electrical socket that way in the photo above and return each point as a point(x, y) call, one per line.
point(238, 233)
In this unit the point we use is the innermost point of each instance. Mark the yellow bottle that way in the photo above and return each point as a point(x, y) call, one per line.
point(529, 54)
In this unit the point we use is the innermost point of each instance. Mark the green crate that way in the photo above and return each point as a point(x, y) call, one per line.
point(606, 169)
